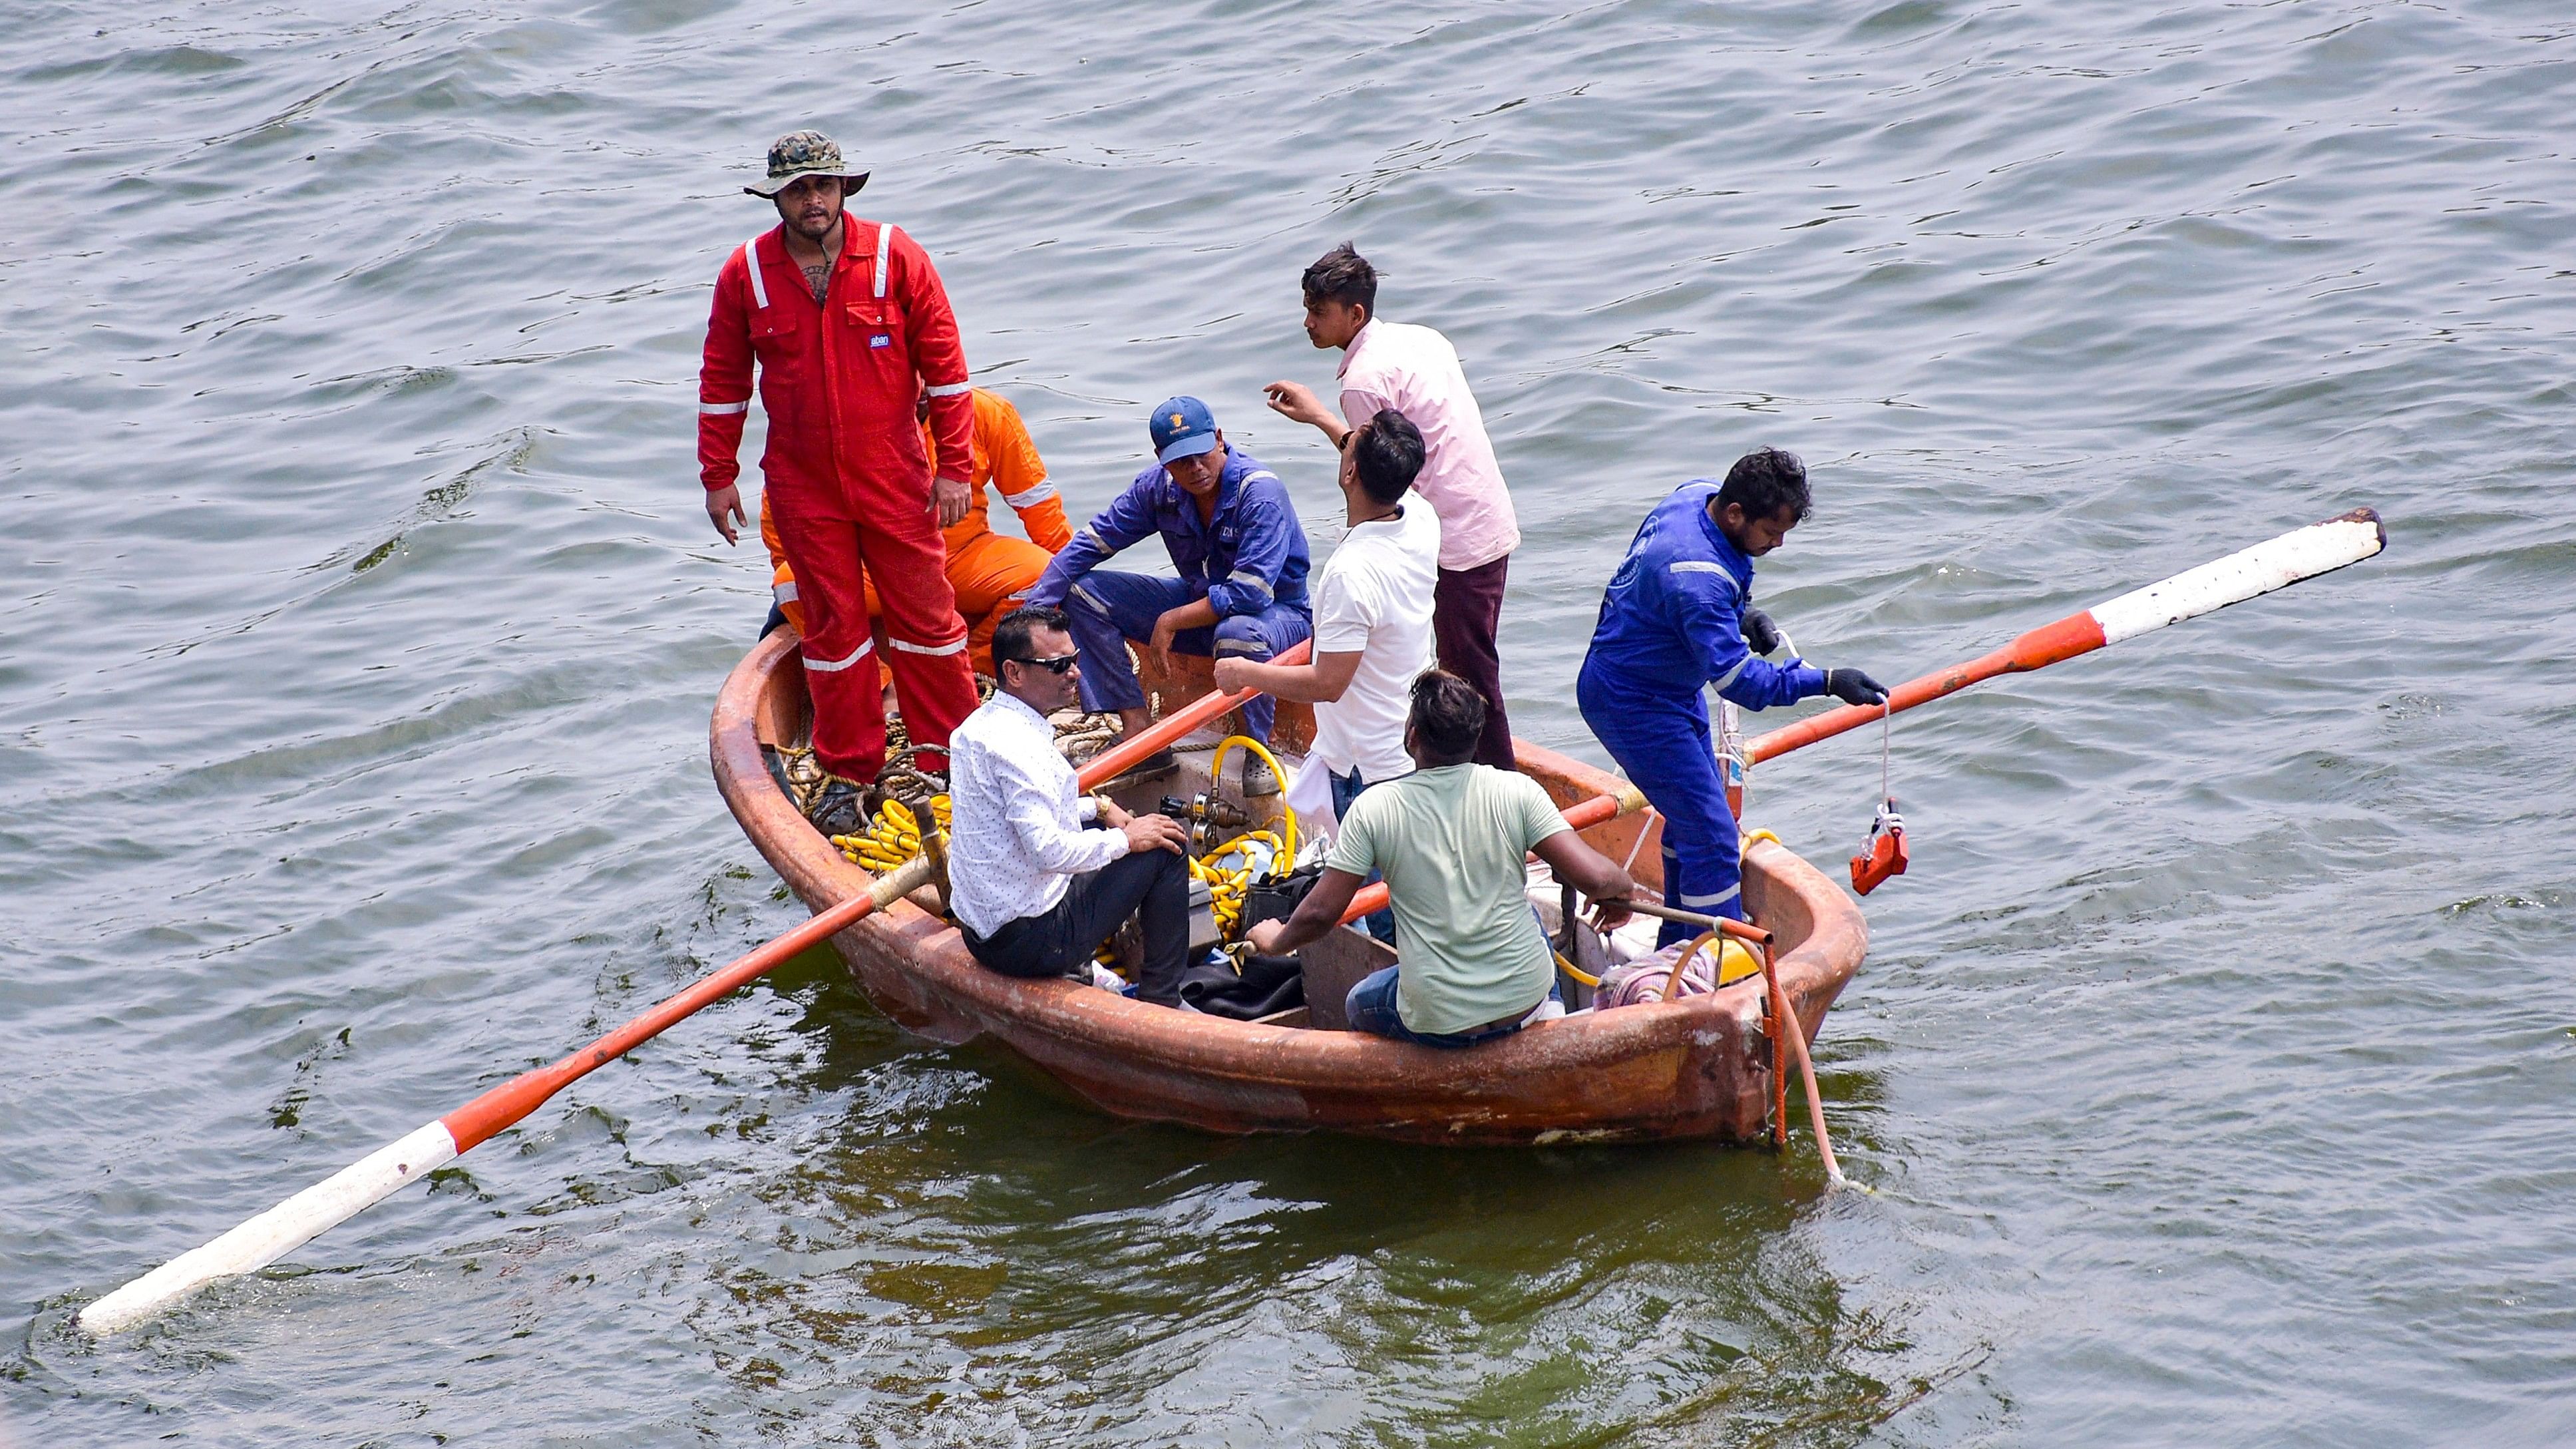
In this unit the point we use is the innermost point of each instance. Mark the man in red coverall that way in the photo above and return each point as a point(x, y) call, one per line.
point(850, 325)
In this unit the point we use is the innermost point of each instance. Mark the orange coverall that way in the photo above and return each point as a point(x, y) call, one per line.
point(846, 474)
point(989, 571)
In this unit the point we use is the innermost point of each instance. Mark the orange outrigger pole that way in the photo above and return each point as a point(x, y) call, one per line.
point(282, 1229)
point(2302, 553)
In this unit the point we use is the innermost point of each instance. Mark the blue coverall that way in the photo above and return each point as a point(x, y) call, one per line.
point(1249, 561)
point(1671, 622)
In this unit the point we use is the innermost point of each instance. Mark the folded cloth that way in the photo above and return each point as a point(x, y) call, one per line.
point(1266, 984)
point(1643, 981)
point(1310, 794)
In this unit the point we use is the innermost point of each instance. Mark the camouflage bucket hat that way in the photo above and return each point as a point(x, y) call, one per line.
point(805, 153)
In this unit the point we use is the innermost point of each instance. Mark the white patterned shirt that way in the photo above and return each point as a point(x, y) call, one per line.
point(1015, 813)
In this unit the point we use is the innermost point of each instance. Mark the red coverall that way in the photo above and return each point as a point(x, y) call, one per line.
point(844, 471)
point(987, 570)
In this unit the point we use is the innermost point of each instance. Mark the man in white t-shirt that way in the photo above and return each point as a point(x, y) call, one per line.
point(1373, 603)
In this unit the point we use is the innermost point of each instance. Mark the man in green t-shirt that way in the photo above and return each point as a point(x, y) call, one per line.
point(1451, 839)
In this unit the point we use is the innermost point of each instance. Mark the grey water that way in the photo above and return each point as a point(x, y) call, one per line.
point(359, 623)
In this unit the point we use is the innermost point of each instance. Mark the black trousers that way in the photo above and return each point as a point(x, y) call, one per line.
point(1466, 609)
point(1152, 885)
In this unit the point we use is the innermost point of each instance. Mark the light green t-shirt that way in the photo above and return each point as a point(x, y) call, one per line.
point(1450, 842)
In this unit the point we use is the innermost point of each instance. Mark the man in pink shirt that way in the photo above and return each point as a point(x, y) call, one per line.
point(1415, 371)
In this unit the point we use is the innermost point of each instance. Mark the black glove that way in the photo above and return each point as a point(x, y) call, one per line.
point(1853, 687)
point(1760, 634)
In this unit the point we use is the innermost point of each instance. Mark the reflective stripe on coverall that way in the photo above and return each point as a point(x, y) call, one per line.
point(845, 473)
point(1671, 622)
point(989, 572)
point(1248, 560)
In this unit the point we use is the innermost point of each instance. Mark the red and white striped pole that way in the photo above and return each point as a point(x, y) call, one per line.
point(2302, 553)
point(371, 1179)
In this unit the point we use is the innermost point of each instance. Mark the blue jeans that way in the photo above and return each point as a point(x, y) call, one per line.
point(1347, 788)
point(1662, 745)
point(1371, 1008)
point(1108, 609)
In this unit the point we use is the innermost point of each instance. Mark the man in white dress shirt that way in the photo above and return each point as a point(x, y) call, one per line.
point(1034, 891)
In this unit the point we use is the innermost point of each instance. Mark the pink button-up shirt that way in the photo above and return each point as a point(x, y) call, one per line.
point(1415, 371)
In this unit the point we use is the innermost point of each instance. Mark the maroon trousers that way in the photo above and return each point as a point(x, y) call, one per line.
point(1466, 606)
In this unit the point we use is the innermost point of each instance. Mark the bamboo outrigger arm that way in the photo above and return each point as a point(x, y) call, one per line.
point(300, 1219)
point(2302, 553)
point(371, 1179)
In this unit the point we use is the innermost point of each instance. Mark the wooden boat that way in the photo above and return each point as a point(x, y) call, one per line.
point(1701, 1067)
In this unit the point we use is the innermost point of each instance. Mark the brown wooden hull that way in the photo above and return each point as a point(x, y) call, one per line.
point(1699, 1068)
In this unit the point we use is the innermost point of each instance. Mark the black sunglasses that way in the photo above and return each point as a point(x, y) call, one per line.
point(1057, 665)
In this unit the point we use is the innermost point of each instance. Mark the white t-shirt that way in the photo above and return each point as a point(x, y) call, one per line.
point(1374, 596)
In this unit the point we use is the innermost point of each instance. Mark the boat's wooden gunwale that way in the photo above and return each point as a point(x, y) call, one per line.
point(1696, 1068)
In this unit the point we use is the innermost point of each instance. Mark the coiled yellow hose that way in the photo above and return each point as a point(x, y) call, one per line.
point(892, 838)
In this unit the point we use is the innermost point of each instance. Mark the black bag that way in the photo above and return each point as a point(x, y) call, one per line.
point(1276, 897)
point(1268, 984)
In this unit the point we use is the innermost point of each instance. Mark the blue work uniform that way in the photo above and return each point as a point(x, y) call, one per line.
point(1671, 622)
point(1249, 560)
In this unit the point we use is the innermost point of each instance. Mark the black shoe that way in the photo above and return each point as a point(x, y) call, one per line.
point(1259, 779)
point(839, 810)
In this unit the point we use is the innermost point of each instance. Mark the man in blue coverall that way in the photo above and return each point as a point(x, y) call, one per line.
point(1679, 615)
point(1233, 537)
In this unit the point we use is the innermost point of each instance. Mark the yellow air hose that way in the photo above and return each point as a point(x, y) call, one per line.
point(1287, 857)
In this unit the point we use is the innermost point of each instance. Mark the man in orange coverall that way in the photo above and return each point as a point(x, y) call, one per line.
point(988, 571)
point(849, 325)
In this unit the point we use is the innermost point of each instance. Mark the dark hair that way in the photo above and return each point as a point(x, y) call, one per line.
point(1386, 454)
point(1765, 481)
point(1342, 275)
point(1013, 637)
point(1448, 715)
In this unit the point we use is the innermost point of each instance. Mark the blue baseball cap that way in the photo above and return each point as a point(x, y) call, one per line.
point(1183, 428)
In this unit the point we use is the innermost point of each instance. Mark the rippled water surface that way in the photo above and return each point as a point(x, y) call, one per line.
point(360, 625)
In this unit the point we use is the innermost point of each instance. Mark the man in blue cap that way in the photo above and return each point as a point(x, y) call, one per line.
point(1235, 541)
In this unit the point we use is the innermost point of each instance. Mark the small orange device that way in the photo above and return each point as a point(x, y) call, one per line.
point(1883, 855)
